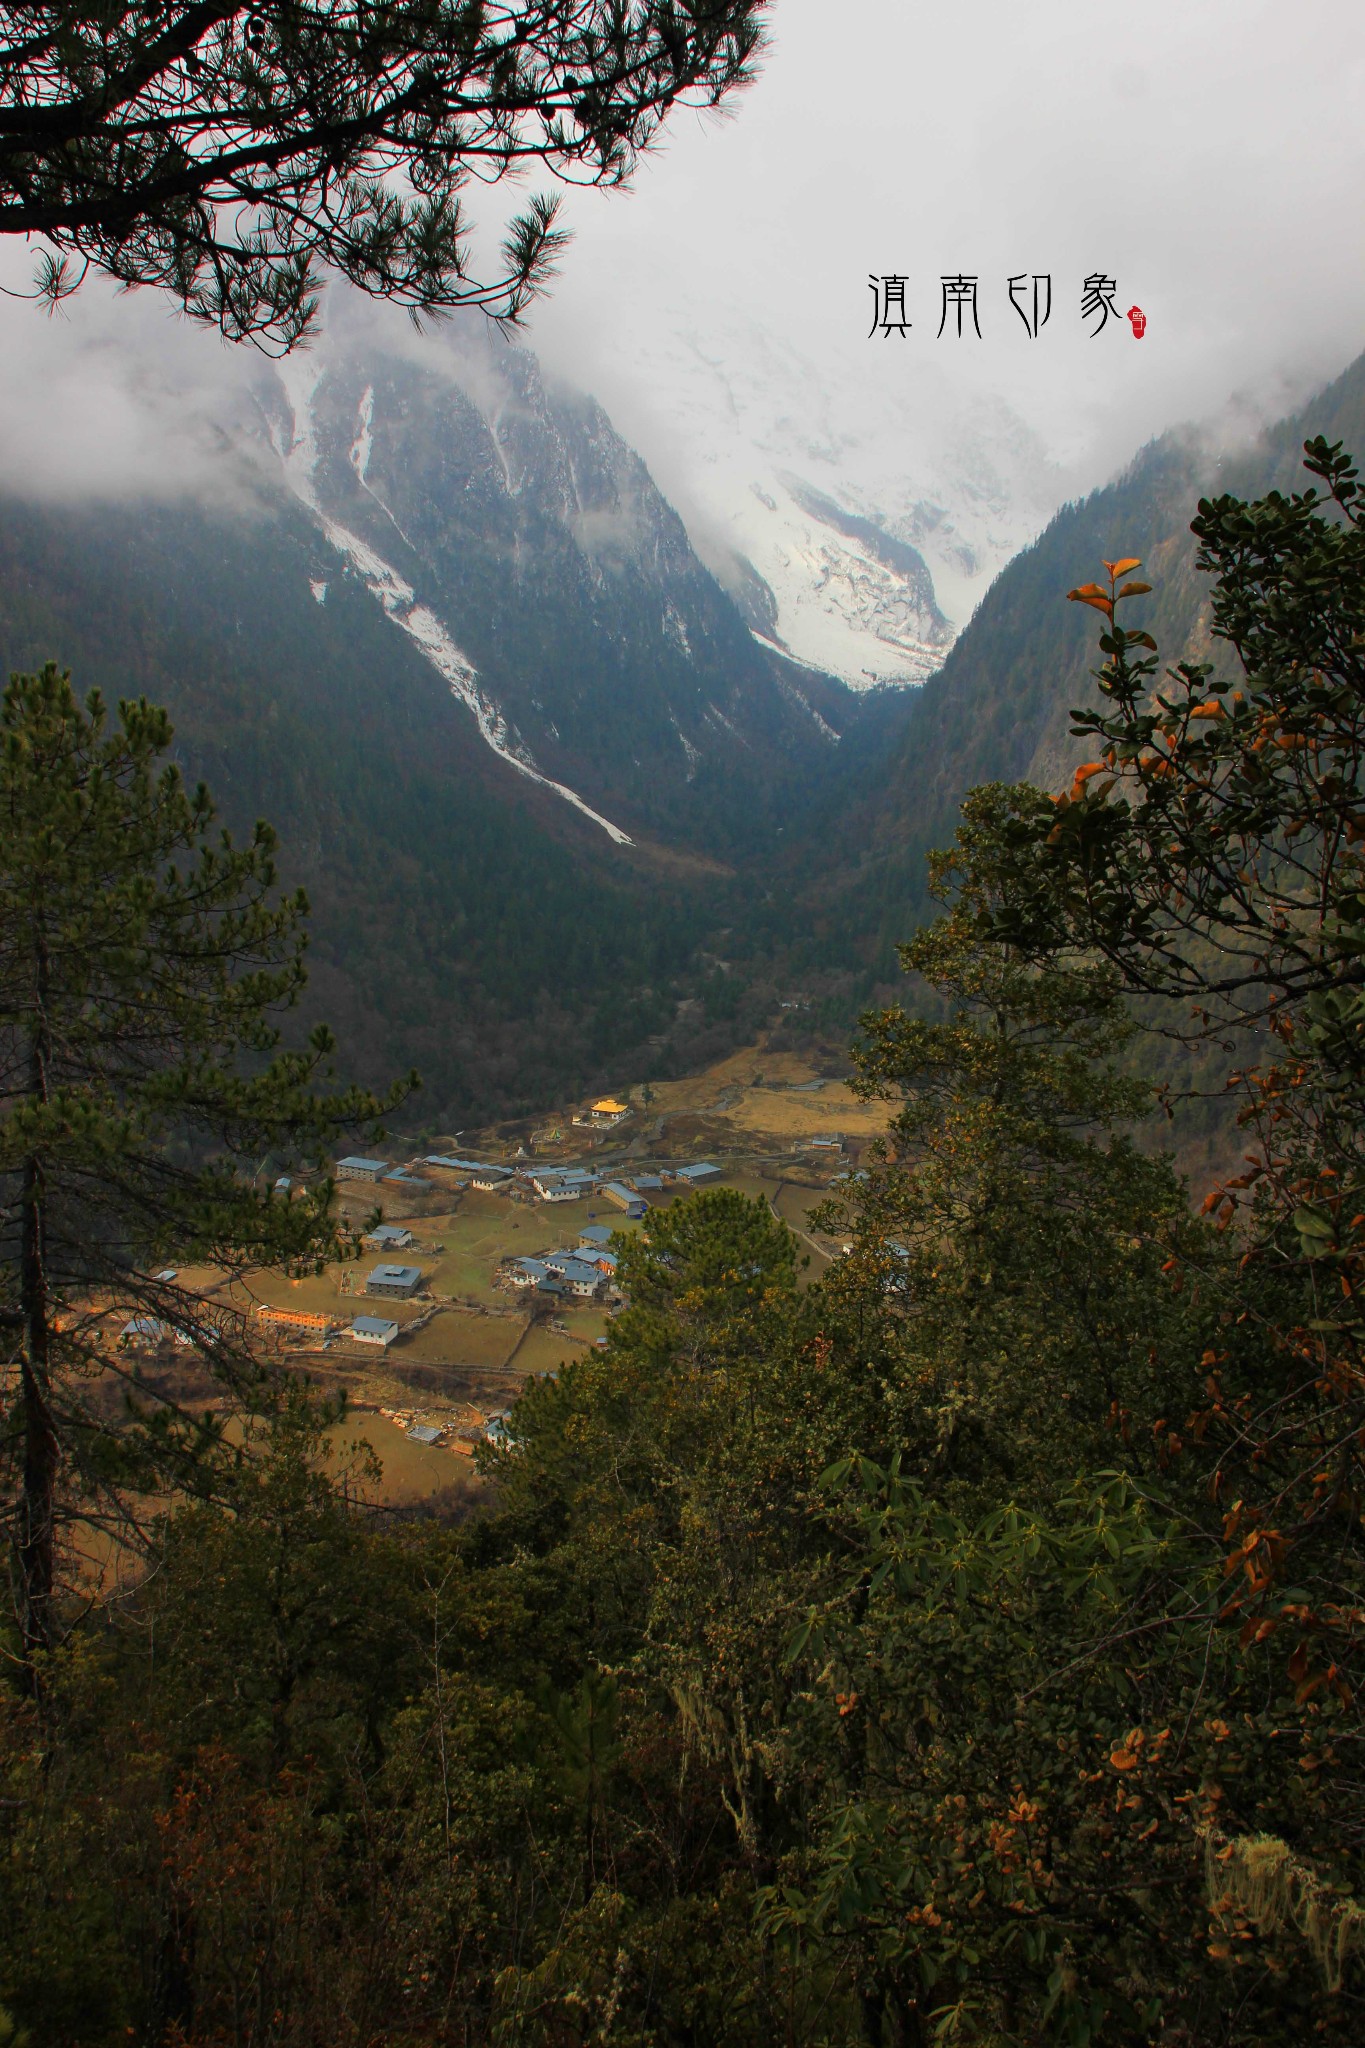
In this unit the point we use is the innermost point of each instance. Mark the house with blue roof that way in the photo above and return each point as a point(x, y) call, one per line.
point(582, 1279)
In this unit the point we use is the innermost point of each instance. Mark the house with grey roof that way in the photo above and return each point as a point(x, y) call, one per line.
point(702, 1175)
point(562, 1183)
point(145, 1330)
point(398, 1282)
point(356, 1168)
point(373, 1330)
point(582, 1279)
point(388, 1237)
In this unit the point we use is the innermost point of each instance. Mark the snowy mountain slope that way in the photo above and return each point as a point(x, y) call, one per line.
point(856, 526)
point(296, 445)
point(503, 525)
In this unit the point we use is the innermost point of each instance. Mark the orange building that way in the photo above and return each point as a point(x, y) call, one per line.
point(294, 1318)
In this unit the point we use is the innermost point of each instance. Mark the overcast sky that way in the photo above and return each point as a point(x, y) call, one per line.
point(1209, 157)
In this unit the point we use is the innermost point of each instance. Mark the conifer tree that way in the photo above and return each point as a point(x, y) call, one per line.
point(1213, 854)
point(143, 957)
point(227, 151)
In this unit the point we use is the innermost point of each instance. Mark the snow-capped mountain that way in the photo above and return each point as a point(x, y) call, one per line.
point(857, 522)
point(508, 532)
point(426, 610)
point(294, 438)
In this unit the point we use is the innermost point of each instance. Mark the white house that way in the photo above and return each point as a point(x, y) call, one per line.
point(373, 1330)
point(388, 1237)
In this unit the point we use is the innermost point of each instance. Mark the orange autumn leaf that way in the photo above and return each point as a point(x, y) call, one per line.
point(1083, 775)
point(1122, 568)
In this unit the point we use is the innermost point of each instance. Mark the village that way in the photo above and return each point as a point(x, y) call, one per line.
point(491, 1257)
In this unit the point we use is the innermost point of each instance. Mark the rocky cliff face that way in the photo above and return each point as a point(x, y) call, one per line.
point(511, 535)
point(1000, 707)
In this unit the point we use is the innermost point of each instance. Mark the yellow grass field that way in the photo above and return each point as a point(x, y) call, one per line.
point(411, 1472)
point(752, 1091)
point(488, 1228)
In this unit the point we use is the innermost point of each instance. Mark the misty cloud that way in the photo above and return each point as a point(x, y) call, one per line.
point(114, 396)
point(1208, 158)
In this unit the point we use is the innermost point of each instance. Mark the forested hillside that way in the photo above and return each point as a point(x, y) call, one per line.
point(899, 1586)
point(998, 710)
point(468, 918)
point(504, 947)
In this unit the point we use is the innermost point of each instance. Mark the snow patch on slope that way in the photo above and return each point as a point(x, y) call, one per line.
point(363, 443)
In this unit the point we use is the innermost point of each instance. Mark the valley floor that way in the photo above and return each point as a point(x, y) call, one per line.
point(779, 1125)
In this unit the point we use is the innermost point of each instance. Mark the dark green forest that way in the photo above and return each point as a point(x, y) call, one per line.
point(962, 1647)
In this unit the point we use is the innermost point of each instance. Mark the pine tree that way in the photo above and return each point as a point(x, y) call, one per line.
point(226, 154)
point(143, 957)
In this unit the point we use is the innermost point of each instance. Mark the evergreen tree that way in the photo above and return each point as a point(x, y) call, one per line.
point(142, 961)
point(224, 153)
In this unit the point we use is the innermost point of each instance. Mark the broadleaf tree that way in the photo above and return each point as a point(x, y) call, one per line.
point(144, 961)
point(1214, 855)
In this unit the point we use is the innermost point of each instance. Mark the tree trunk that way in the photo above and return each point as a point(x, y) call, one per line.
point(36, 1541)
